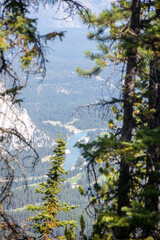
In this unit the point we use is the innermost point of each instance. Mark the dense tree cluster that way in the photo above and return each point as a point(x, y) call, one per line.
point(127, 204)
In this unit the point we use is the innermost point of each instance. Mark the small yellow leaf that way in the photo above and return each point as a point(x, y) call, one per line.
point(99, 160)
point(111, 124)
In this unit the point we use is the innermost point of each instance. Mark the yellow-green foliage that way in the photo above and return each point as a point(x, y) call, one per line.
point(45, 221)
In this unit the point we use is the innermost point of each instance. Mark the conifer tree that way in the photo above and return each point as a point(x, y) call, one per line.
point(45, 222)
point(127, 203)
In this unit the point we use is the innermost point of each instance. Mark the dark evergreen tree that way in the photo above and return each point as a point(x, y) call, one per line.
point(127, 200)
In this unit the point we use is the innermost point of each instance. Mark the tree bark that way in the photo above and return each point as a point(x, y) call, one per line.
point(124, 178)
point(152, 202)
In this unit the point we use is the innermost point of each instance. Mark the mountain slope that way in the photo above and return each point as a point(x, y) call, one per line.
point(15, 118)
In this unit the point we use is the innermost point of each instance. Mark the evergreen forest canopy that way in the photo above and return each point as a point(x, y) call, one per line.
point(126, 202)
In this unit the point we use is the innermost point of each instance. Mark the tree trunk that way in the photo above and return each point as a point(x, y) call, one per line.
point(124, 178)
point(152, 201)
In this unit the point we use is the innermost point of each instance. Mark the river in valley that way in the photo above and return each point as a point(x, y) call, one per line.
point(72, 152)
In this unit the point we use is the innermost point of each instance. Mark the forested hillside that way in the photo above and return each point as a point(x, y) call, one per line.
point(58, 96)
